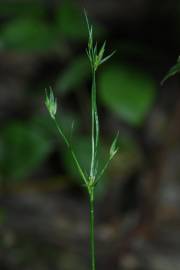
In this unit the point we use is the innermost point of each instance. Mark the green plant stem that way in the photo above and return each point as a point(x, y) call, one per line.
point(91, 179)
point(102, 171)
point(71, 151)
point(95, 124)
point(92, 238)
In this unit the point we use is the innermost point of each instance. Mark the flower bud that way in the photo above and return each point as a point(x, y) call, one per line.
point(51, 103)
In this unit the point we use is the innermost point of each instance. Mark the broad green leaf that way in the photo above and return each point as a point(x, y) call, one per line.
point(27, 34)
point(23, 150)
point(73, 76)
point(173, 71)
point(127, 92)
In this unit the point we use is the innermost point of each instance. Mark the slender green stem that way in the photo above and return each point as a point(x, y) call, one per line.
point(92, 130)
point(96, 118)
point(95, 124)
point(62, 133)
point(71, 151)
point(102, 171)
point(92, 238)
point(96, 57)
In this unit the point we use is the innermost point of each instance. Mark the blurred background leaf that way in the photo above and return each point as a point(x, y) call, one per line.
point(70, 21)
point(24, 149)
point(82, 149)
point(128, 92)
point(65, 118)
point(28, 34)
point(74, 75)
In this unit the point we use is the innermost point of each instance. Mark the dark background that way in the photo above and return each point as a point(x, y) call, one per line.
point(43, 205)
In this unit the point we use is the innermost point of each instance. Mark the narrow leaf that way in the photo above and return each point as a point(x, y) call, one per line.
point(72, 130)
point(90, 32)
point(102, 171)
point(173, 71)
point(107, 57)
point(114, 148)
point(101, 52)
point(87, 21)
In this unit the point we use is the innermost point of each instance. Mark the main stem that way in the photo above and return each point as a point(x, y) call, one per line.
point(92, 238)
point(94, 124)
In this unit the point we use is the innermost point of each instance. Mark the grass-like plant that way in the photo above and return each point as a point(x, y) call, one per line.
point(91, 179)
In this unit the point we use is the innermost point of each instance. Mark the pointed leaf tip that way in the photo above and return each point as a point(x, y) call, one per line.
point(107, 57)
point(114, 147)
point(172, 71)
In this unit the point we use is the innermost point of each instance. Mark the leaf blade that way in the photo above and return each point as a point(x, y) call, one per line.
point(172, 71)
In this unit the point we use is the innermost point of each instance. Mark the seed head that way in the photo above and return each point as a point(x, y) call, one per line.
point(51, 103)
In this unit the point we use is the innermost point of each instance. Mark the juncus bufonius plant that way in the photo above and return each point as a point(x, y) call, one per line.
point(91, 179)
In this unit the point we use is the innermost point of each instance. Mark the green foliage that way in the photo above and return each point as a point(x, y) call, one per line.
point(82, 148)
point(96, 58)
point(173, 71)
point(70, 21)
point(66, 140)
point(28, 34)
point(89, 153)
point(44, 124)
point(127, 92)
point(73, 76)
point(28, 27)
point(23, 149)
point(46, 127)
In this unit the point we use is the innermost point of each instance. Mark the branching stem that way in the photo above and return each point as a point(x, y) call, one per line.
point(96, 58)
point(72, 152)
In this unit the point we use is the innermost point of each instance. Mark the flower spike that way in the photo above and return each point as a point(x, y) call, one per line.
point(51, 103)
